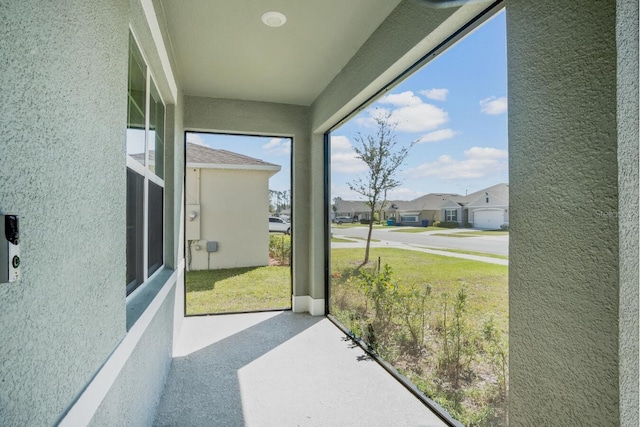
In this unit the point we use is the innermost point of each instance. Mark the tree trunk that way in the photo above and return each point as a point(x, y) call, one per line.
point(366, 251)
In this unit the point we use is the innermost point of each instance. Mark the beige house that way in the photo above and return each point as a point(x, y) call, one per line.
point(227, 206)
point(486, 209)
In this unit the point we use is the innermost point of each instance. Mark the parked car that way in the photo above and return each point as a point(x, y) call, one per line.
point(278, 225)
point(345, 220)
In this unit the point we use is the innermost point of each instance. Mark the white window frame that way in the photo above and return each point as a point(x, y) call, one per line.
point(144, 171)
point(449, 215)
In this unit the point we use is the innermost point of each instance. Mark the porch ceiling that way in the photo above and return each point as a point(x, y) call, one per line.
point(222, 49)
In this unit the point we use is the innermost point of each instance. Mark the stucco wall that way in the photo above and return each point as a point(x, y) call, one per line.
point(563, 274)
point(234, 211)
point(137, 390)
point(627, 214)
point(62, 120)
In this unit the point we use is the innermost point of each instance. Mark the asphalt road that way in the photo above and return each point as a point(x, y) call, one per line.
point(487, 244)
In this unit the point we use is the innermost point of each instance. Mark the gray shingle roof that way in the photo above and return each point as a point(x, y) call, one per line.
point(205, 155)
point(431, 201)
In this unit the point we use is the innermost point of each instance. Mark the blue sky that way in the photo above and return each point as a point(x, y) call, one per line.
point(455, 107)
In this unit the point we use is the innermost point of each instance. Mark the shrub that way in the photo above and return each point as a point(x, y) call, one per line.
point(280, 248)
point(365, 221)
point(445, 224)
point(504, 227)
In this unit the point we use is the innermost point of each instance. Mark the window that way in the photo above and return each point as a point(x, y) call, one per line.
point(451, 215)
point(145, 172)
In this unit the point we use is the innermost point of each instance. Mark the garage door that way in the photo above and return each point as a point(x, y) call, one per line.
point(491, 220)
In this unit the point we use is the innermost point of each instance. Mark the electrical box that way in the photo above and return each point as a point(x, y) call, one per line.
point(212, 246)
point(9, 248)
point(192, 220)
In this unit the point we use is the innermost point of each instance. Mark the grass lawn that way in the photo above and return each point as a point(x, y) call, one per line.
point(238, 289)
point(339, 240)
point(450, 357)
point(362, 238)
point(460, 251)
point(487, 284)
point(474, 233)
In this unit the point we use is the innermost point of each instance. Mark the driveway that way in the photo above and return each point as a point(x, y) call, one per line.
point(498, 245)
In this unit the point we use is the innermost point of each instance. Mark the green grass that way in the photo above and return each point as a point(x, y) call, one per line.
point(474, 233)
point(362, 238)
point(339, 240)
point(487, 284)
point(488, 233)
point(460, 251)
point(388, 309)
point(238, 289)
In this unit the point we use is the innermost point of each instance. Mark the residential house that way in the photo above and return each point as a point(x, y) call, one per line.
point(77, 350)
point(227, 209)
point(485, 209)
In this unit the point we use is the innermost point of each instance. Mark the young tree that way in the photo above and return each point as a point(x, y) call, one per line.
point(383, 156)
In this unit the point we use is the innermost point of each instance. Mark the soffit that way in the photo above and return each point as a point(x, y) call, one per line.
point(223, 50)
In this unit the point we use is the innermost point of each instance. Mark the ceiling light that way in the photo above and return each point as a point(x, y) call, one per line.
point(274, 19)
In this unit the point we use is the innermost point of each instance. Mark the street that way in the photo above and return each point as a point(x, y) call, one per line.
point(498, 244)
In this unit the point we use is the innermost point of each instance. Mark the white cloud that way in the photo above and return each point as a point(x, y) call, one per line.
point(343, 158)
point(195, 138)
point(278, 147)
point(479, 162)
point(437, 135)
point(400, 99)
point(493, 105)
point(435, 94)
point(412, 115)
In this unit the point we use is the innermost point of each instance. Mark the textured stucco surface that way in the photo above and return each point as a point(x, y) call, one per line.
point(627, 42)
point(136, 393)
point(262, 118)
point(62, 115)
point(563, 274)
point(232, 215)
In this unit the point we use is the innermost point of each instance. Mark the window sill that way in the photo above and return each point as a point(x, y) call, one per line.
point(140, 299)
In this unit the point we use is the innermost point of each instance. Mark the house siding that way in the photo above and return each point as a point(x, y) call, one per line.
point(63, 114)
point(234, 211)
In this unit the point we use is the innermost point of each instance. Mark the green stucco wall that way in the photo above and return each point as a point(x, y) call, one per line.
point(62, 120)
point(628, 200)
point(563, 274)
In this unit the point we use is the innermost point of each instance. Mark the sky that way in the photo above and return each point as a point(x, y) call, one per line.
point(454, 107)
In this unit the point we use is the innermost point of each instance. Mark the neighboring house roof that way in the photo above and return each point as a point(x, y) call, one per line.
point(501, 191)
point(428, 202)
point(352, 206)
point(199, 156)
point(499, 196)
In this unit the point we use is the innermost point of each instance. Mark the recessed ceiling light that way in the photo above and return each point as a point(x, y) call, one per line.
point(274, 19)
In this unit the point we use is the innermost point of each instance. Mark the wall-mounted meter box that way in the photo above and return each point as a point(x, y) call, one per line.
point(9, 248)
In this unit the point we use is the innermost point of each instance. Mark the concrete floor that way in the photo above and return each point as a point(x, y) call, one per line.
point(280, 369)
